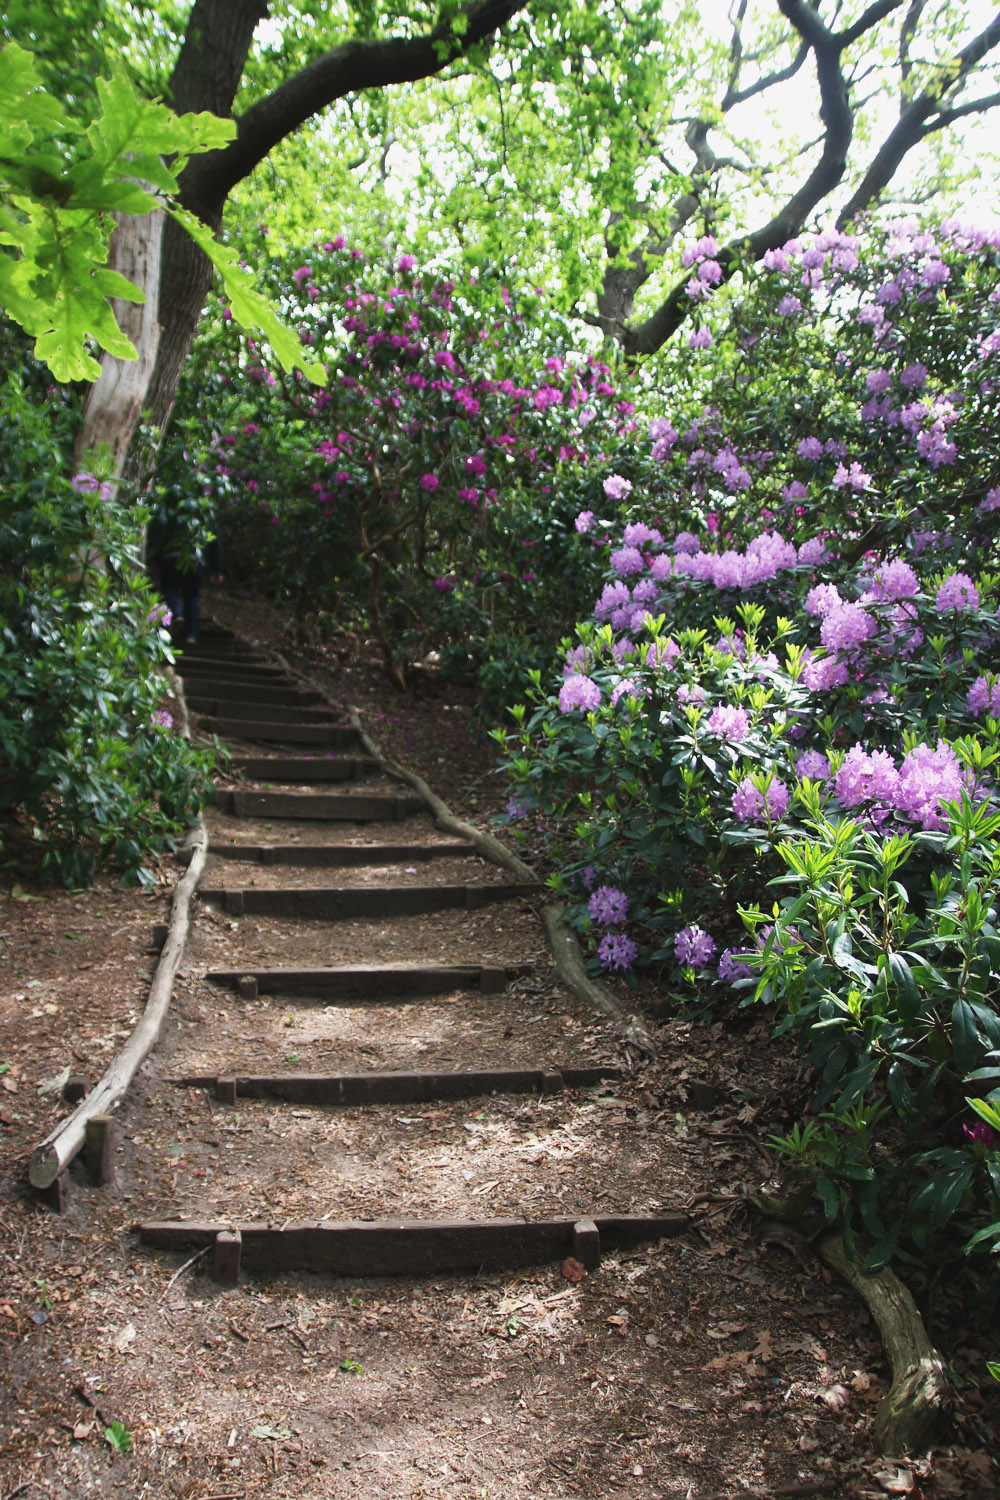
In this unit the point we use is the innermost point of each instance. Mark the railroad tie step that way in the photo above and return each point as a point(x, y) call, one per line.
point(408, 1247)
point(206, 705)
point(304, 767)
point(356, 983)
point(352, 1089)
point(262, 731)
point(262, 690)
point(242, 668)
point(320, 807)
point(341, 855)
point(344, 903)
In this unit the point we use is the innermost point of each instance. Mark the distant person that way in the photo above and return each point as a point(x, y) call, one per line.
point(182, 547)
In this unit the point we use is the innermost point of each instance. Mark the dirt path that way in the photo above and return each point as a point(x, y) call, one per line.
point(709, 1364)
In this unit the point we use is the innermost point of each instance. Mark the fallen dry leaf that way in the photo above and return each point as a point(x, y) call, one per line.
point(573, 1270)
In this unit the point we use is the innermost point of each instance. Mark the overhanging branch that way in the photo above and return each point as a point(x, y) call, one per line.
point(346, 69)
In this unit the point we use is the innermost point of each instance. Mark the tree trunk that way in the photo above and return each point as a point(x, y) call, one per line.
point(116, 400)
point(185, 279)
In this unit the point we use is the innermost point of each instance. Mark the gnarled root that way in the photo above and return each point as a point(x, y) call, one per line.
point(910, 1413)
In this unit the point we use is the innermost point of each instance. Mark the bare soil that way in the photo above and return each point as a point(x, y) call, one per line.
point(724, 1363)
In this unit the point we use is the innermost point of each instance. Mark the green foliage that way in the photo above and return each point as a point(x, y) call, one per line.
point(60, 182)
point(428, 492)
point(89, 769)
point(780, 732)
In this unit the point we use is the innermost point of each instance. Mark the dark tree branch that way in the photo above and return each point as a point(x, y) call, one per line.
point(347, 69)
point(838, 130)
point(921, 118)
point(869, 18)
point(962, 111)
point(907, 32)
point(781, 75)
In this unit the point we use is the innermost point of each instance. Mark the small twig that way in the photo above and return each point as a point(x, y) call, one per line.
point(294, 1333)
point(27, 1484)
point(197, 1256)
point(244, 1338)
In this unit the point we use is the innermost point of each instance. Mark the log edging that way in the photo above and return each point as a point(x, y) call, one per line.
point(52, 1155)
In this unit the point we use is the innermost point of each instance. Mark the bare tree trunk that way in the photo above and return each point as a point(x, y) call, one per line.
point(116, 400)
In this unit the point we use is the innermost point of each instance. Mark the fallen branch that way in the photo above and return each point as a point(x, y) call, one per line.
point(909, 1414)
point(186, 1266)
point(59, 1147)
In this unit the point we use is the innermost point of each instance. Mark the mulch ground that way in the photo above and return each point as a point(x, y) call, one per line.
point(728, 1362)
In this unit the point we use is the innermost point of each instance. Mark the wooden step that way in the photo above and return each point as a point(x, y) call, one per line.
point(351, 1089)
point(343, 903)
point(235, 669)
point(348, 807)
point(301, 713)
point(236, 690)
point(407, 1247)
point(337, 737)
point(304, 767)
point(359, 982)
point(340, 855)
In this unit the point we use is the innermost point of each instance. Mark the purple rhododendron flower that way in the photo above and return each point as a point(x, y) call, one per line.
point(616, 951)
point(814, 764)
point(957, 592)
point(692, 945)
point(627, 560)
point(686, 542)
point(823, 599)
point(429, 482)
point(984, 697)
point(732, 967)
point(751, 805)
point(579, 692)
point(866, 778)
point(847, 626)
point(926, 779)
point(616, 487)
point(584, 522)
point(608, 905)
point(729, 723)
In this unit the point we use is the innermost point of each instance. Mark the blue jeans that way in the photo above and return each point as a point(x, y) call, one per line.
point(181, 588)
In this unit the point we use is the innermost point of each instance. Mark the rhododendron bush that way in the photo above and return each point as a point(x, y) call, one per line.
point(428, 487)
point(773, 758)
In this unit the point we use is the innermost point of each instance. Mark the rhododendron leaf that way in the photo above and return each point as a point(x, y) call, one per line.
point(907, 989)
point(964, 1035)
point(901, 1094)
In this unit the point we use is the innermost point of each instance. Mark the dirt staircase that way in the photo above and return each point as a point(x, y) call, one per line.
point(328, 890)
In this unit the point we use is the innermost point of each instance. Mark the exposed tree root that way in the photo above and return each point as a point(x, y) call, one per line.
point(909, 1415)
